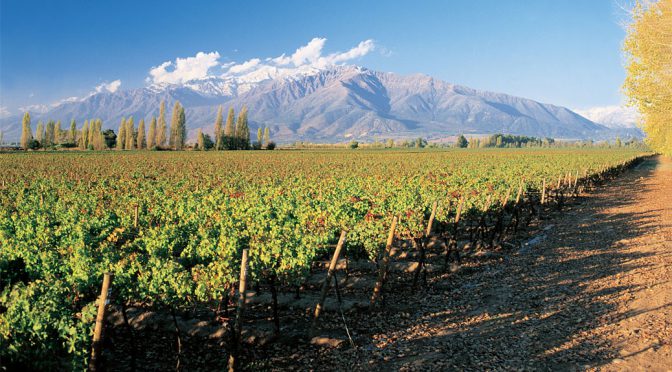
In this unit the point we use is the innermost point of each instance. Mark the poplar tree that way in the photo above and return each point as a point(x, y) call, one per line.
point(267, 136)
point(178, 129)
point(83, 141)
point(57, 133)
point(218, 129)
point(229, 141)
point(243, 131)
point(141, 135)
point(121, 138)
point(161, 126)
point(72, 136)
point(49, 134)
point(100, 137)
point(26, 132)
point(201, 140)
point(151, 136)
point(92, 134)
point(39, 134)
point(130, 131)
point(260, 137)
point(2, 135)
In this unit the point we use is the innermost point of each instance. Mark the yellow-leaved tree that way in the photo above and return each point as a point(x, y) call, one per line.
point(648, 85)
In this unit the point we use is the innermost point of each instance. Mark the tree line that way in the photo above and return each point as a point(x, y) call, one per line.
point(232, 135)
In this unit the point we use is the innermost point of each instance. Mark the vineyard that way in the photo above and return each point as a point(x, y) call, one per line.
point(172, 227)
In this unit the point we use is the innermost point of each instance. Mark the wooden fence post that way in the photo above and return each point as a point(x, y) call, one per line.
point(242, 288)
point(94, 362)
point(382, 270)
point(423, 245)
point(327, 280)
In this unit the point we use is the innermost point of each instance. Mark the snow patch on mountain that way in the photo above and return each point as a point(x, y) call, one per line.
point(612, 116)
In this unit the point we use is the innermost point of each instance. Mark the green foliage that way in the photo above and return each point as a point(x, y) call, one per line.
point(462, 142)
point(63, 225)
point(110, 138)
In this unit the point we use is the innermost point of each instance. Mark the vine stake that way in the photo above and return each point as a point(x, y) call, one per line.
point(94, 362)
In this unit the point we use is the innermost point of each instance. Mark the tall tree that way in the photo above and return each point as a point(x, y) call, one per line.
point(26, 132)
point(260, 137)
point(83, 141)
point(72, 135)
point(92, 134)
point(49, 135)
point(151, 136)
point(141, 135)
point(39, 134)
point(243, 131)
point(121, 138)
point(130, 132)
point(57, 133)
point(161, 129)
point(267, 136)
point(200, 144)
point(178, 129)
point(462, 142)
point(648, 85)
point(2, 135)
point(230, 131)
point(218, 129)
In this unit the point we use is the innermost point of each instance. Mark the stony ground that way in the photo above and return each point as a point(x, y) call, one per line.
point(594, 292)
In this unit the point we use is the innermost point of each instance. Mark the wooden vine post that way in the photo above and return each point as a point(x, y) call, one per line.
point(543, 192)
point(135, 215)
point(103, 301)
point(423, 245)
point(520, 191)
point(242, 288)
point(451, 246)
point(382, 270)
point(325, 284)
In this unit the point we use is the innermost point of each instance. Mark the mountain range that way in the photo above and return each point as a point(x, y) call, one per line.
point(335, 104)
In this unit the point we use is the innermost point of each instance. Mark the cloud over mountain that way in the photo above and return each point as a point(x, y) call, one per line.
point(307, 58)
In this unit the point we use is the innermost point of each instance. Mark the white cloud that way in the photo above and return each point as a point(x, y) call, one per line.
point(37, 108)
point(612, 116)
point(245, 66)
point(305, 59)
point(4, 112)
point(107, 87)
point(308, 53)
point(184, 69)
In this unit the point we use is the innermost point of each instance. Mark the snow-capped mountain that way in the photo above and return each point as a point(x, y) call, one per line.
point(332, 105)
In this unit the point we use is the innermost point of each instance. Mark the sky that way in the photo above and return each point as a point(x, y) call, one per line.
point(562, 52)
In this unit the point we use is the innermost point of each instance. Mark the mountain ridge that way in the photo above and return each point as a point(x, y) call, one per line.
point(337, 104)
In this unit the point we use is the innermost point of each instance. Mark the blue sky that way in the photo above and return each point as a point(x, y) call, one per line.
point(561, 52)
